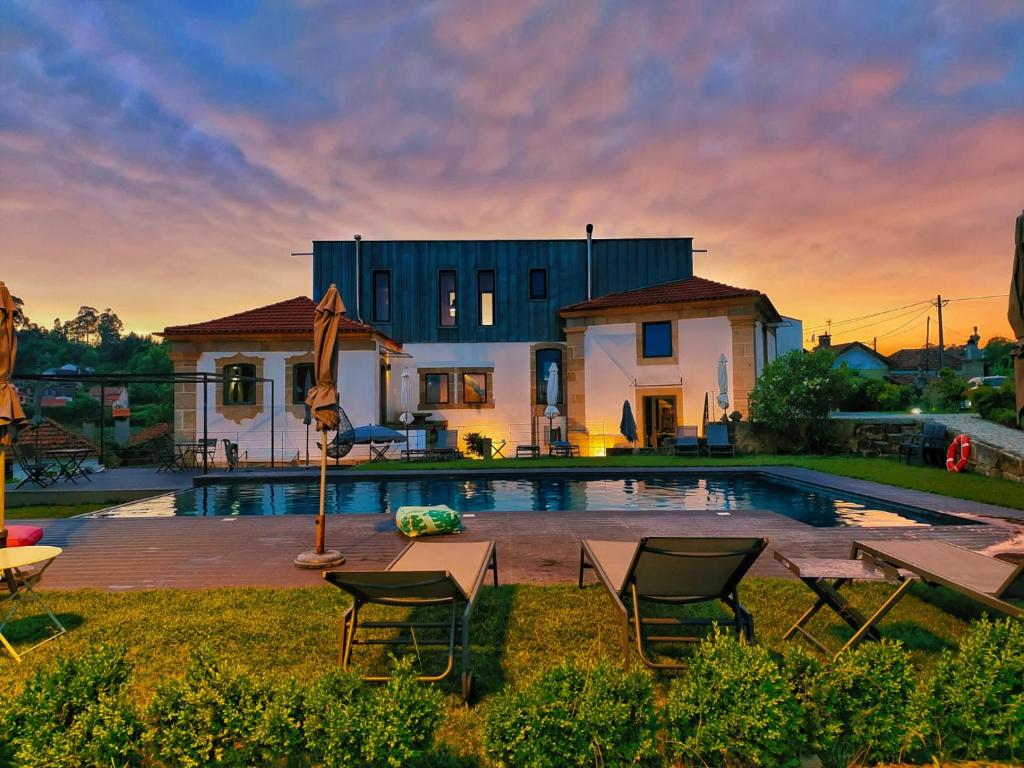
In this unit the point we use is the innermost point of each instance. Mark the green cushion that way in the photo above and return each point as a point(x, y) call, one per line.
point(426, 521)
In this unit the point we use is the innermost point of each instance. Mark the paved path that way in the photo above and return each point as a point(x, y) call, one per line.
point(996, 435)
point(533, 547)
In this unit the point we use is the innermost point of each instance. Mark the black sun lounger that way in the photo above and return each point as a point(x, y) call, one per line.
point(674, 571)
point(424, 574)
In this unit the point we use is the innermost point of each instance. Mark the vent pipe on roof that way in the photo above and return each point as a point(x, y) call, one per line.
point(359, 278)
point(590, 283)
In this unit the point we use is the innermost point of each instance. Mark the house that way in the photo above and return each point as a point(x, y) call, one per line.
point(857, 356)
point(478, 324)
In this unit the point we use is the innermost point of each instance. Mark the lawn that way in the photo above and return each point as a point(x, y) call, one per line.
point(517, 631)
point(988, 490)
point(50, 511)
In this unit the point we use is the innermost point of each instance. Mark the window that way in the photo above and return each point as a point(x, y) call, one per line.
point(538, 283)
point(239, 387)
point(474, 388)
point(485, 290)
point(544, 359)
point(657, 340)
point(435, 388)
point(302, 381)
point(446, 298)
point(381, 296)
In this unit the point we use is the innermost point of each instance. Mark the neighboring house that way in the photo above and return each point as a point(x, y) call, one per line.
point(111, 394)
point(857, 356)
point(478, 325)
point(50, 435)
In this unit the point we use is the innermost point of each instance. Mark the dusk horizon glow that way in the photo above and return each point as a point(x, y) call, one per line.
point(845, 158)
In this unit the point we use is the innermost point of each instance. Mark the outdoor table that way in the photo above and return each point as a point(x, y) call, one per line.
point(69, 463)
point(529, 451)
point(190, 454)
point(21, 578)
point(826, 577)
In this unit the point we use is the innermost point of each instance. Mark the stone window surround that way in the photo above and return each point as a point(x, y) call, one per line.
point(455, 397)
point(295, 409)
point(672, 318)
point(238, 413)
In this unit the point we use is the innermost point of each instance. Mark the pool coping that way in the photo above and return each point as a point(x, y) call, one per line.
point(925, 501)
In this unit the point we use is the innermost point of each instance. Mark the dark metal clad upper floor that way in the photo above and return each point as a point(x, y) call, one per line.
point(410, 273)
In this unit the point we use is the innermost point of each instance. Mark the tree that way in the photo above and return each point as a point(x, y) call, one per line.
point(949, 389)
point(109, 327)
point(20, 318)
point(796, 395)
point(998, 361)
point(84, 327)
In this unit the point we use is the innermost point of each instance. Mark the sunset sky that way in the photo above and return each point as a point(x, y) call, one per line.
point(845, 158)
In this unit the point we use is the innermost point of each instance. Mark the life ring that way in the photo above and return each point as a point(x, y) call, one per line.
point(961, 444)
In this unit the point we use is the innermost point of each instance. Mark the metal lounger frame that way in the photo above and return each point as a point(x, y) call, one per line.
point(633, 622)
point(350, 623)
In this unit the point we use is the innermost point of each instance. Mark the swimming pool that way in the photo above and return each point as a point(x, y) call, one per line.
point(720, 493)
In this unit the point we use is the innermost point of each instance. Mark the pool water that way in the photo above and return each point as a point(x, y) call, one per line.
point(723, 494)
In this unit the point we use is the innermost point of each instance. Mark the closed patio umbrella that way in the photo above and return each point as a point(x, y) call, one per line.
point(552, 396)
point(11, 413)
point(1016, 313)
point(723, 382)
point(627, 426)
point(323, 401)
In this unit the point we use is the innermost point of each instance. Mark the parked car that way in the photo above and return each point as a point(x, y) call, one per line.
point(985, 381)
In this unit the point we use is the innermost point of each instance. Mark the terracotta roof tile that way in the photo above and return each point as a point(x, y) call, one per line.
point(150, 433)
point(290, 316)
point(912, 359)
point(53, 436)
point(689, 289)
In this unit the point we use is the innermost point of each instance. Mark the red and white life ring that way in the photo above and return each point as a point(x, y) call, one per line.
point(961, 444)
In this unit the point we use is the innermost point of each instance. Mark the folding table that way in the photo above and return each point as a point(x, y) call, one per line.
point(21, 582)
point(825, 577)
point(69, 463)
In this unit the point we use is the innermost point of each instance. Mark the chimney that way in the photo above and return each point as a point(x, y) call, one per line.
point(824, 341)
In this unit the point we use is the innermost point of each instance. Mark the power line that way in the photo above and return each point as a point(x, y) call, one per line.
point(865, 317)
point(974, 298)
point(896, 330)
point(878, 322)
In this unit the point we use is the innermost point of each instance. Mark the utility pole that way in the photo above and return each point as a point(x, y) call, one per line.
point(942, 353)
point(927, 331)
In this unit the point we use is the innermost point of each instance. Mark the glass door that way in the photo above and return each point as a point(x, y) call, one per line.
point(659, 419)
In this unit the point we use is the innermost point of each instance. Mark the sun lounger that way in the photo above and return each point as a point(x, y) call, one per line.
point(686, 442)
point(673, 571)
point(985, 579)
point(424, 574)
point(716, 441)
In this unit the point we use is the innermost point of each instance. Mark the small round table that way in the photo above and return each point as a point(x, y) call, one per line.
point(21, 584)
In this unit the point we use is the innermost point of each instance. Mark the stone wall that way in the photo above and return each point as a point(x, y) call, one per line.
point(990, 461)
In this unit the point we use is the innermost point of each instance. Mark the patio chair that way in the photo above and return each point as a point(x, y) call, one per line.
point(32, 466)
point(423, 574)
point(986, 579)
point(929, 444)
point(563, 449)
point(230, 454)
point(167, 456)
point(447, 448)
point(686, 442)
point(716, 441)
point(673, 571)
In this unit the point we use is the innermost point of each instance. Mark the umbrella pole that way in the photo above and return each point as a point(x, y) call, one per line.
point(3, 490)
point(321, 520)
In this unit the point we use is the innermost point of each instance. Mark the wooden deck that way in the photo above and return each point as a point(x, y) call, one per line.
point(533, 547)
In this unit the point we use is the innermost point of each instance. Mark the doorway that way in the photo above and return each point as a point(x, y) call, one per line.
point(659, 419)
point(382, 395)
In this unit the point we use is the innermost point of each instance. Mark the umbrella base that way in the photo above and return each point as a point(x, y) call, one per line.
point(312, 560)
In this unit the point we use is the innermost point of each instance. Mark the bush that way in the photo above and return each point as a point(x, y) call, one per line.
point(795, 396)
point(976, 706)
point(348, 725)
point(864, 706)
point(574, 717)
point(948, 391)
point(998, 404)
point(860, 393)
point(215, 716)
point(73, 714)
point(734, 706)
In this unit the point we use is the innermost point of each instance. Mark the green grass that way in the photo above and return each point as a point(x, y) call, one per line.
point(52, 511)
point(988, 490)
point(517, 631)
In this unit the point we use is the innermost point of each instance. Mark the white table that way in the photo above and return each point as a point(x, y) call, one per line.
point(21, 584)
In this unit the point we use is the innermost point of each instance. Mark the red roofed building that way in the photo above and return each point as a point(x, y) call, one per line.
point(477, 326)
point(49, 435)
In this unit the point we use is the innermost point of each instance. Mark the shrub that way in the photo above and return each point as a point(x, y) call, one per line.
point(734, 706)
point(348, 725)
point(976, 706)
point(73, 714)
point(795, 396)
point(573, 716)
point(216, 716)
point(948, 391)
point(864, 706)
point(998, 404)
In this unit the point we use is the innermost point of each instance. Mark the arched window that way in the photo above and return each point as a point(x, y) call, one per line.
point(239, 384)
